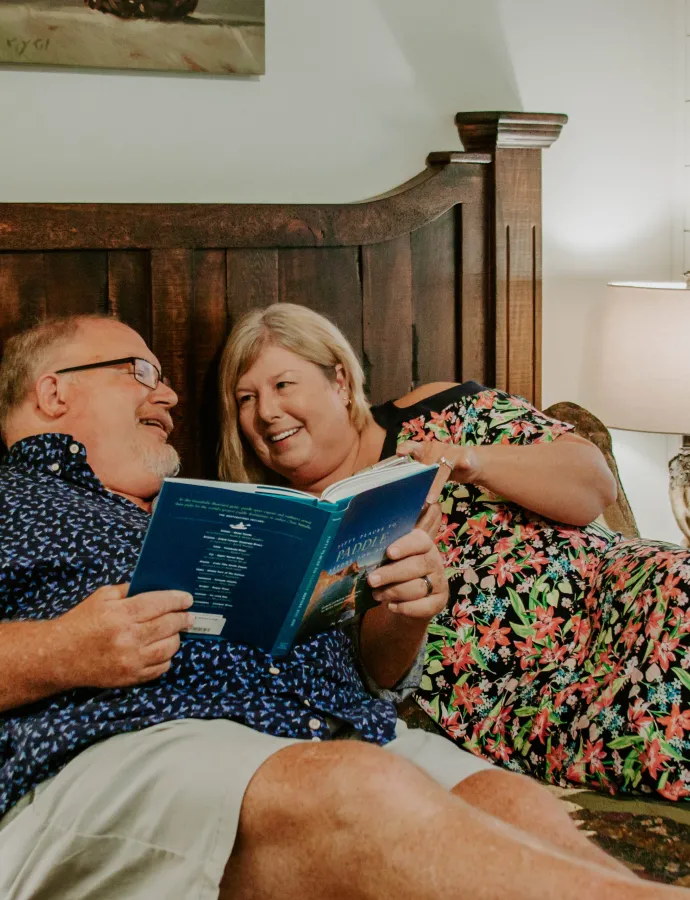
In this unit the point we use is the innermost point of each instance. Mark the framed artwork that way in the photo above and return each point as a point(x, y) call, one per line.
point(217, 36)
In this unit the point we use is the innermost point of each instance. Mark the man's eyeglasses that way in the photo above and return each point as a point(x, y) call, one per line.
point(144, 371)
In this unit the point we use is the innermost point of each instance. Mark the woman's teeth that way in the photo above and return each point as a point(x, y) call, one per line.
point(283, 434)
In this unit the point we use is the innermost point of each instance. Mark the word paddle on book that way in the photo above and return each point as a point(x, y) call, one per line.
point(271, 565)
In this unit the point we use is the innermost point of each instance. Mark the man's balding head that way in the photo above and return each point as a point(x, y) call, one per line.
point(122, 422)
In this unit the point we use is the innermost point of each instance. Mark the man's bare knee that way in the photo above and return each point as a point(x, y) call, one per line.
point(343, 782)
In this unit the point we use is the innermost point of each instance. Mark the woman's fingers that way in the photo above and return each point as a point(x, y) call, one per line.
point(430, 519)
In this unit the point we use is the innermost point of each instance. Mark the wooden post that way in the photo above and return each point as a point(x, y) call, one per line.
point(515, 141)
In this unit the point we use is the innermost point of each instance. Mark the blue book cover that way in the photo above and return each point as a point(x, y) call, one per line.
point(266, 565)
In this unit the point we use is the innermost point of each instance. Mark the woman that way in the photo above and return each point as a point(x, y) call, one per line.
point(563, 651)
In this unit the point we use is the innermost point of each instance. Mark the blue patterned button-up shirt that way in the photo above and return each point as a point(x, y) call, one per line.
point(62, 536)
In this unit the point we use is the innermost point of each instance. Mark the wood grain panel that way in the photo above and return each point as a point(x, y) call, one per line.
point(76, 282)
point(124, 226)
point(22, 292)
point(172, 342)
point(328, 281)
point(129, 289)
point(434, 301)
point(387, 283)
point(518, 272)
point(477, 324)
point(209, 330)
point(252, 280)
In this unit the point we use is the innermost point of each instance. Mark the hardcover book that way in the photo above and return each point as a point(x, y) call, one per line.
point(268, 566)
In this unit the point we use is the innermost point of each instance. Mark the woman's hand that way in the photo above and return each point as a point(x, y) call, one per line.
point(457, 463)
point(413, 584)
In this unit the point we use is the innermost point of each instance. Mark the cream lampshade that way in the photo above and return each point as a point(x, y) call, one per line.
point(643, 372)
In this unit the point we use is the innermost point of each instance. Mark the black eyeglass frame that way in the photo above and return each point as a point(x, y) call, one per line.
point(107, 363)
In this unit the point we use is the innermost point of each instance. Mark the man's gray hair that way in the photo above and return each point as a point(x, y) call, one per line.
point(25, 355)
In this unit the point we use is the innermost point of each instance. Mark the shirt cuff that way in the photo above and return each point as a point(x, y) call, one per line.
point(405, 686)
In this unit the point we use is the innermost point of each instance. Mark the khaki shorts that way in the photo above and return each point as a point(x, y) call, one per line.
point(153, 814)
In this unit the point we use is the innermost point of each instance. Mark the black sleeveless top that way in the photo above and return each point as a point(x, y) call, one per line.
point(391, 417)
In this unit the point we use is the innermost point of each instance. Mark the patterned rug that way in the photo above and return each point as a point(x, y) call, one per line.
point(651, 837)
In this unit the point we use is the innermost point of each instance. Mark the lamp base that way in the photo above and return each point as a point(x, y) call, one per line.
point(679, 489)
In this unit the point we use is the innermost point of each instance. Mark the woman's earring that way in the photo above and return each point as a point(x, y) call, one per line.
point(346, 398)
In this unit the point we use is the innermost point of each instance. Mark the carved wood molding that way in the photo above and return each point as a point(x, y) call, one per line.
point(486, 132)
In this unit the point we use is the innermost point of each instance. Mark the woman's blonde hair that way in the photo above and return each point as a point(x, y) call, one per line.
point(302, 331)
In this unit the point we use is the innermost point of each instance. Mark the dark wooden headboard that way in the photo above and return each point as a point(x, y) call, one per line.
point(437, 280)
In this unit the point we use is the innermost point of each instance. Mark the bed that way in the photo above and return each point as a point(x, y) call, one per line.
point(436, 280)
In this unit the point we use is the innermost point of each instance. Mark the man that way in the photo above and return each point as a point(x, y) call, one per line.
point(134, 766)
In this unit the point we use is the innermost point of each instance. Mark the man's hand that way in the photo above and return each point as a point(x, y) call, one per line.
point(111, 640)
point(403, 584)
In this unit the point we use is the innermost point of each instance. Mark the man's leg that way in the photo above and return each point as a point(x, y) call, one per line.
point(347, 820)
point(527, 805)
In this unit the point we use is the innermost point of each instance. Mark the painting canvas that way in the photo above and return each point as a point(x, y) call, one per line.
point(218, 36)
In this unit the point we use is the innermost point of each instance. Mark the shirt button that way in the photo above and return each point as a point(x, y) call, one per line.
point(54, 467)
point(274, 670)
point(316, 738)
point(314, 724)
point(74, 448)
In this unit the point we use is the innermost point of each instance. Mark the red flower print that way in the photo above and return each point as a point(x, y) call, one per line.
point(452, 556)
point(459, 656)
point(499, 749)
point(575, 537)
point(643, 601)
point(502, 518)
point(498, 722)
point(676, 723)
point(478, 530)
point(556, 758)
point(441, 418)
point(485, 400)
point(681, 618)
point(576, 772)
point(464, 695)
point(653, 759)
point(504, 570)
point(675, 791)
point(553, 654)
point(638, 715)
point(668, 589)
point(531, 558)
point(588, 688)
point(546, 624)
point(453, 726)
point(493, 634)
point(462, 614)
point(528, 531)
point(593, 756)
point(540, 725)
point(663, 651)
point(655, 623)
point(504, 545)
point(527, 428)
point(605, 700)
point(526, 652)
point(629, 633)
point(446, 531)
point(581, 629)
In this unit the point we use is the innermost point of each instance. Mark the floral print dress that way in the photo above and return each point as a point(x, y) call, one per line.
point(564, 652)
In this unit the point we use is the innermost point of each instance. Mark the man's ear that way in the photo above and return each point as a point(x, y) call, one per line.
point(51, 396)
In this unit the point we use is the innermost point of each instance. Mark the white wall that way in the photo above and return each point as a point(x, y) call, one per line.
point(356, 93)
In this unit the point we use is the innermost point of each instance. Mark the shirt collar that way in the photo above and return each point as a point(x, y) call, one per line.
point(57, 455)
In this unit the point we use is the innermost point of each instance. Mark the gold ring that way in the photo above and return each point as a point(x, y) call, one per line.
point(444, 462)
point(429, 585)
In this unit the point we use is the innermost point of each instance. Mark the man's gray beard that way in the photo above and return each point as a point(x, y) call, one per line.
point(162, 462)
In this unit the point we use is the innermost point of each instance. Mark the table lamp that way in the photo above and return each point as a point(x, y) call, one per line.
point(643, 381)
